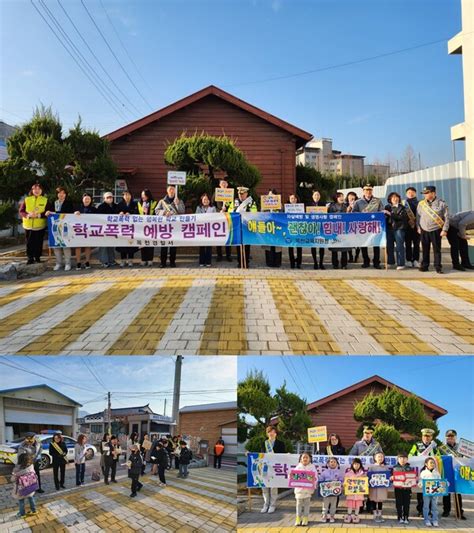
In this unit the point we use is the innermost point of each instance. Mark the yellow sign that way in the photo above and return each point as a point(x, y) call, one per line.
point(318, 434)
point(356, 486)
point(270, 202)
point(316, 209)
point(224, 195)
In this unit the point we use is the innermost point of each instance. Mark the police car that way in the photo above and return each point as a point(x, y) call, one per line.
point(8, 452)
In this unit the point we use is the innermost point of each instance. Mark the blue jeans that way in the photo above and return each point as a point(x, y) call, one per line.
point(107, 255)
point(396, 237)
point(21, 504)
point(434, 508)
point(183, 470)
point(80, 471)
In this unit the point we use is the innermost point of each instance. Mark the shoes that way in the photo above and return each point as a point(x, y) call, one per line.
point(67, 268)
point(122, 264)
point(208, 266)
point(219, 259)
point(364, 265)
point(416, 264)
point(106, 482)
point(435, 524)
point(264, 509)
point(427, 523)
point(304, 521)
point(271, 509)
point(173, 265)
point(332, 519)
point(347, 519)
point(401, 521)
point(78, 266)
point(87, 265)
point(57, 267)
point(105, 265)
point(133, 495)
point(29, 262)
point(113, 480)
point(62, 486)
point(324, 518)
point(378, 267)
point(459, 267)
point(229, 259)
point(355, 519)
point(130, 263)
point(32, 513)
point(297, 521)
point(321, 267)
point(439, 271)
point(400, 268)
point(423, 269)
point(445, 514)
point(40, 491)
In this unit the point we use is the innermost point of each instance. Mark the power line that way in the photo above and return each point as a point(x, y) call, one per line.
point(115, 56)
point(106, 98)
point(123, 46)
point(337, 65)
point(97, 59)
point(81, 56)
point(92, 373)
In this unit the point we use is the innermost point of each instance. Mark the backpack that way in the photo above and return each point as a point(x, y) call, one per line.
point(95, 475)
point(27, 484)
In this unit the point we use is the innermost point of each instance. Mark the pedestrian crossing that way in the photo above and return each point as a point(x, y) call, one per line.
point(116, 313)
point(206, 501)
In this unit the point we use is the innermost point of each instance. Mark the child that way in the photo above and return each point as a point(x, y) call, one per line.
point(184, 459)
point(303, 496)
point(402, 496)
point(331, 473)
point(353, 501)
point(25, 483)
point(379, 494)
point(161, 456)
point(135, 463)
point(430, 471)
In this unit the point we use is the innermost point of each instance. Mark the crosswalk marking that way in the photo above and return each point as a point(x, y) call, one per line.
point(379, 324)
point(70, 516)
point(467, 286)
point(306, 333)
point(440, 339)
point(48, 319)
point(224, 332)
point(184, 332)
point(349, 333)
point(453, 289)
point(142, 336)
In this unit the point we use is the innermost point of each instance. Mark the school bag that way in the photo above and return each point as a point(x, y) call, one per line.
point(27, 484)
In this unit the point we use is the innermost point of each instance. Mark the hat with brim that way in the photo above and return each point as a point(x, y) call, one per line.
point(242, 189)
point(428, 189)
point(427, 431)
point(451, 433)
point(369, 427)
point(367, 187)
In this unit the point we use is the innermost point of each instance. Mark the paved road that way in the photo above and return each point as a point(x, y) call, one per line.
point(206, 501)
point(222, 311)
point(282, 521)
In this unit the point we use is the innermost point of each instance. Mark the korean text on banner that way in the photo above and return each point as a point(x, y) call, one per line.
point(464, 475)
point(317, 434)
point(208, 229)
point(332, 230)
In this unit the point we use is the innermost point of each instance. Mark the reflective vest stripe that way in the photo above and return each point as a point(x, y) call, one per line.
point(38, 205)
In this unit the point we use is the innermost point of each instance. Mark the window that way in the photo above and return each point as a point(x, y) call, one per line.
point(96, 428)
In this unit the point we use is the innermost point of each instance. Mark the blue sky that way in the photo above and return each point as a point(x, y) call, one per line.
point(375, 108)
point(130, 379)
point(445, 381)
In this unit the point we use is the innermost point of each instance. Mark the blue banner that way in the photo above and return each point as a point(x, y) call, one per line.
point(464, 475)
point(309, 230)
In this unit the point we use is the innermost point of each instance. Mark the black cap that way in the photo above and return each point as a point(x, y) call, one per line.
point(429, 188)
point(410, 189)
point(30, 434)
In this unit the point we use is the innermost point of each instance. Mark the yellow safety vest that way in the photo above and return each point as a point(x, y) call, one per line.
point(152, 207)
point(35, 204)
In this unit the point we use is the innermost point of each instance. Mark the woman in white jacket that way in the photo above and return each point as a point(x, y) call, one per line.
point(430, 471)
point(302, 495)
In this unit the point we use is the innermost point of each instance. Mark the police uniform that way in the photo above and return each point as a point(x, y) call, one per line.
point(452, 449)
point(458, 225)
point(229, 207)
point(419, 449)
point(431, 219)
point(244, 206)
point(374, 205)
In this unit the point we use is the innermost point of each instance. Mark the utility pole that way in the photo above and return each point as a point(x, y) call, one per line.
point(176, 392)
point(109, 414)
point(164, 409)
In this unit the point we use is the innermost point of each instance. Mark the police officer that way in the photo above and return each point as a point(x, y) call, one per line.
point(412, 237)
point(451, 448)
point(427, 448)
point(32, 447)
point(457, 237)
point(367, 445)
point(224, 207)
point(369, 204)
point(244, 203)
point(432, 221)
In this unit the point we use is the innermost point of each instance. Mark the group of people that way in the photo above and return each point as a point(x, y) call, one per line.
point(410, 221)
point(368, 446)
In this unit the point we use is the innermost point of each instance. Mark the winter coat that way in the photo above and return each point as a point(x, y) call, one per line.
point(57, 457)
point(398, 219)
point(360, 473)
point(129, 209)
point(463, 222)
point(185, 456)
point(167, 204)
point(336, 207)
point(109, 458)
point(79, 453)
point(33, 450)
point(331, 474)
point(278, 447)
point(159, 456)
point(208, 209)
point(89, 210)
point(335, 450)
point(379, 494)
point(136, 463)
point(362, 205)
point(428, 474)
point(300, 493)
point(66, 207)
point(107, 209)
point(361, 447)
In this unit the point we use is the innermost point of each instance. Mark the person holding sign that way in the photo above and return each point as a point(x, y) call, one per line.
point(426, 447)
point(224, 207)
point(338, 206)
point(379, 494)
point(332, 477)
point(62, 205)
point(205, 252)
point(169, 206)
point(317, 202)
point(146, 206)
point(432, 222)
point(451, 448)
point(244, 204)
point(271, 445)
point(402, 494)
point(430, 503)
point(369, 204)
point(293, 199)
point(303, 495)
point(354, 498)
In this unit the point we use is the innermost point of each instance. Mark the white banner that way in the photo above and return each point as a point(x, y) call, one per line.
point(207, 229)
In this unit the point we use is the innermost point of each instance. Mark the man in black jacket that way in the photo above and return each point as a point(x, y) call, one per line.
point(135, 468)
point(271, 445)
point(112, 452)
point(184, 459)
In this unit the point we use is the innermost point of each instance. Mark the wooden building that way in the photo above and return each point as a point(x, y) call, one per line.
point(336, 410)
point(267, 141)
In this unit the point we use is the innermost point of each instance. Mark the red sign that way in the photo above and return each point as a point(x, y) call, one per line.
point(404, 480)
